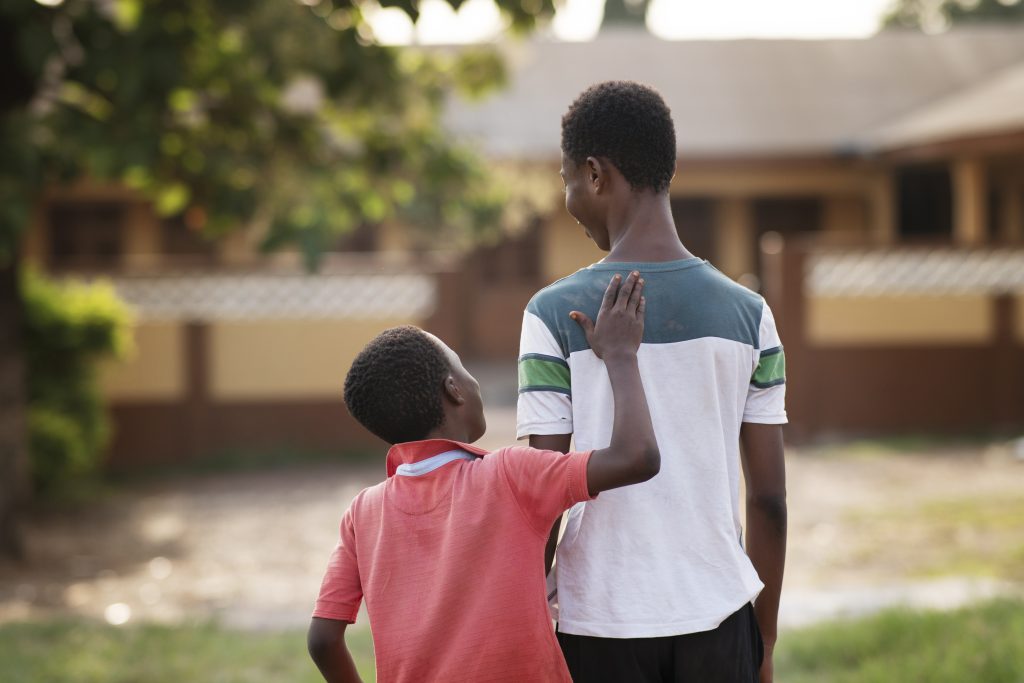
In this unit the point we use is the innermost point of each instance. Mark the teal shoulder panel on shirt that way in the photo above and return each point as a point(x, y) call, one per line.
point(686, 300)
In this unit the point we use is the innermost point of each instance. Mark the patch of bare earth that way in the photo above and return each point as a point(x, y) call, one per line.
point(249, 548)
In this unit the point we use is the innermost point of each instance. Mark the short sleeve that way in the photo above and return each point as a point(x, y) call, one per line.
point(545, 390)
point(545, 483)
point(766, 396)
point(341, 591)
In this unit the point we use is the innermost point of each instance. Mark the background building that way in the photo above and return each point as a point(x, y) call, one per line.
point(873, 189)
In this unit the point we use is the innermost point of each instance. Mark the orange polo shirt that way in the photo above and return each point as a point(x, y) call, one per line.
point(449, 554)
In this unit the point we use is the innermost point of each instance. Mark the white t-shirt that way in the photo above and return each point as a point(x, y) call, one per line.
point(664, 557)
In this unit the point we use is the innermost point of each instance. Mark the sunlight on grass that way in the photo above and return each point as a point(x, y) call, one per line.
point(89, 652)
point(980, 644)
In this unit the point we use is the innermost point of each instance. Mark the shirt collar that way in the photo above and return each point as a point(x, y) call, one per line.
point(414, 451)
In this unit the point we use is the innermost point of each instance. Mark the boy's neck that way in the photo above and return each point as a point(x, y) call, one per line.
point(643, 230)
point(449, 431)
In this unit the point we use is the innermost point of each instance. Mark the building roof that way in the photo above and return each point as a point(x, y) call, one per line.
point(995, 105)
point(194, 296)
point(739, 97)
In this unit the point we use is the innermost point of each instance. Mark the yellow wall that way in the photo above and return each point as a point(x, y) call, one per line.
point(900, 320)
point(156, 370)
point(281, 359)
point(565, 248)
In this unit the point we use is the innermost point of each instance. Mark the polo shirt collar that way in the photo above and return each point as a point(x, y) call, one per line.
point(414, 451)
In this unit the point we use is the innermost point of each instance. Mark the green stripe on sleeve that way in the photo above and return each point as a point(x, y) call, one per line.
point(771, 369)
point(543, 373)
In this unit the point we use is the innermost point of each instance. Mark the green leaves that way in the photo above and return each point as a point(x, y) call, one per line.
point(237, 109)
point(67, 329)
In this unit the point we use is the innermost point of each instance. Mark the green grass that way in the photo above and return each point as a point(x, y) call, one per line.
point(63, 651)
point(983, 644)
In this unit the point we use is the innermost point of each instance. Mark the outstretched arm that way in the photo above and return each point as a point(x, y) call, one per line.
point(632, 456)
point(764, 469)
point(326, 643)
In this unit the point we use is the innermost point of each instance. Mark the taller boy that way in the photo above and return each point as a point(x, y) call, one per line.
point(653, 583)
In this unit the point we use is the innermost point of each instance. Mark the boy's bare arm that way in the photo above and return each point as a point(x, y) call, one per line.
point(632, 456)
point(326, 643)
point(764, 469)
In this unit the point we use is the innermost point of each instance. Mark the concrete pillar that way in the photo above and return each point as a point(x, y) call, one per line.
point(844, 218)
point(141, 235)
point(883, 227)
point(1011, 210)
point(970, 203)
point(734, 236)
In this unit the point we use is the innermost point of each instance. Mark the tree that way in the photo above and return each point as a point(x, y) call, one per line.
point(938, 15)
point(285, 114)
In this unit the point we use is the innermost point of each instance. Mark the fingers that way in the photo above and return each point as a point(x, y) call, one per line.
point(610, 293)
point(626, 290)
point(634, 299)
point(641, 307)
point(583, 321)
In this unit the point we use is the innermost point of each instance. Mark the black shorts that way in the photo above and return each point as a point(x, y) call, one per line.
point(731, 653)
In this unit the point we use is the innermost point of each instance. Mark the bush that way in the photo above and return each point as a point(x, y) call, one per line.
point(69, 328)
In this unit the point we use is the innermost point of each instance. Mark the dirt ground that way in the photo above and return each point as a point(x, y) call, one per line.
point(868, 527)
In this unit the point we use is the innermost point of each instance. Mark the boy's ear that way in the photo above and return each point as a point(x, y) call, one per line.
point(452, 391)
point(597, 174)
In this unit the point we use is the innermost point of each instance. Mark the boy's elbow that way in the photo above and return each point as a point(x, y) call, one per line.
point(770, 506)
point(317, 645)
point(649, 463)
point(322, 639)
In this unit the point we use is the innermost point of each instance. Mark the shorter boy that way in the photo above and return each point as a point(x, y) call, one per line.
point(449, 550)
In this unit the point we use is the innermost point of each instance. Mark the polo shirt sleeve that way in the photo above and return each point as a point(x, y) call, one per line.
point(341, 591)
point(545, 393)
point(766, 396)
point(545, 483)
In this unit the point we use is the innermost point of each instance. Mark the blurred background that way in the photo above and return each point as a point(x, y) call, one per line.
point(207, 209)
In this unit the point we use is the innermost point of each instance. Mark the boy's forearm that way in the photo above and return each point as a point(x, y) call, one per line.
point(766, 547)
point(327, 647)
point(632, 456)
point(764, 468)
point(631, 426)
point(337, 666)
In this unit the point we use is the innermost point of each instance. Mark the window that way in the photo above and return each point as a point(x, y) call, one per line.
point(787, 215)
point(85, 234)
point(925, 202)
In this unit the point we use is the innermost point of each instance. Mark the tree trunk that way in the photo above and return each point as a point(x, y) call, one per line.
point(13, 444)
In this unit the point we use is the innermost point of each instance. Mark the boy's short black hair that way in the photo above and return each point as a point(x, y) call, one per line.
point(630, 125)
point(394, 385)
